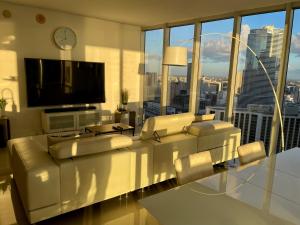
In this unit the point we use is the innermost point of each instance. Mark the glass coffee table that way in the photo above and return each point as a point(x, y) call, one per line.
point(110, 128)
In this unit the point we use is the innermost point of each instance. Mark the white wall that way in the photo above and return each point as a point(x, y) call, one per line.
point(118, 45)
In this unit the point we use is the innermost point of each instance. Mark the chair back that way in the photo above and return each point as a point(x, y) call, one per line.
point(251, 152)
point(193, 167)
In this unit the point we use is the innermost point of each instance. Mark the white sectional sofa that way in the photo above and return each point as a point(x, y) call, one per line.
point(68, 175)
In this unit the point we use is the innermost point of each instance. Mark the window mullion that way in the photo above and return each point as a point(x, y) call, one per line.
point(233, 68)
point(281, 77)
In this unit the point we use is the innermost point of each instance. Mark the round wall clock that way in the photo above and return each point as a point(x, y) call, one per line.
point(64, 38)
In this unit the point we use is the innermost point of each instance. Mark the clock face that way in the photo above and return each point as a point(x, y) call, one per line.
point(64, 38)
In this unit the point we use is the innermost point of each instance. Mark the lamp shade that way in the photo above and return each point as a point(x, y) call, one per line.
point(175, 56)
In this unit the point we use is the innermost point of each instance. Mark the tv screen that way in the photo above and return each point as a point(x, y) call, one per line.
point(60, 82)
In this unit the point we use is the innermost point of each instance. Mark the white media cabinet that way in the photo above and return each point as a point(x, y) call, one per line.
point(54, 122)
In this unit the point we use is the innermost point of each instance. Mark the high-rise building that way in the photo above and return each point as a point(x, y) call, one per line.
point(213, 92)
point(179, 92)
point(255, 124)
point(266, 43)
point(151, 89)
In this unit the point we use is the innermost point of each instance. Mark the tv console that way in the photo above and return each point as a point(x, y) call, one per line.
point(70, 109)
point(70, 119)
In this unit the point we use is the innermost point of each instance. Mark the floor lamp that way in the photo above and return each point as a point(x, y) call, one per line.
point(177, 56)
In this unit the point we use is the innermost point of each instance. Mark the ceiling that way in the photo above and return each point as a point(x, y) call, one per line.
point(149, 12)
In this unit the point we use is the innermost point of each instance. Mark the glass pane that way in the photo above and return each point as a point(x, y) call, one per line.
point(292, 90)
point(180, 76)
point(153, 72)
point(61, 122)
point(254, 98)
point(214, 67)
point(89, 119)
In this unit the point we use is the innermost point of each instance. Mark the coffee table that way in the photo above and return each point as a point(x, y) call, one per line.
point(110, 128)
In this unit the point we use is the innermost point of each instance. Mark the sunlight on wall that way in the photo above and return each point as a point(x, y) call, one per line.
point(111, 58)
point(131, 77)
point(9, 85)
point(7, 40)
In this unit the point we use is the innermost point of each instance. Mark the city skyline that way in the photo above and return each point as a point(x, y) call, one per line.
point(216, 52)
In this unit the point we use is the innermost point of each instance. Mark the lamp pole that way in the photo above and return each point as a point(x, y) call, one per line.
point(169, 59)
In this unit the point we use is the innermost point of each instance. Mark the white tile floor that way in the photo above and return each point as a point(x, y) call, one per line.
point(125, 211)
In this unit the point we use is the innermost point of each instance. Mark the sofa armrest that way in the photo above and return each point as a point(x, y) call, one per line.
point(36, 175)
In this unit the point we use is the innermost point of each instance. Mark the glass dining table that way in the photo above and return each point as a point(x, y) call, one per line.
point(264, 192)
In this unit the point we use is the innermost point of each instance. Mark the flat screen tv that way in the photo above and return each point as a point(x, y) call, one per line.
point(61, 82)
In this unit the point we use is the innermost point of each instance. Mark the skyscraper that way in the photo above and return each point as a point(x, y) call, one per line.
point(266, 43)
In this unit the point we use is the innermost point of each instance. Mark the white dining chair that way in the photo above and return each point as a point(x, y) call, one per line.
point(251, 152)
point(193, 167)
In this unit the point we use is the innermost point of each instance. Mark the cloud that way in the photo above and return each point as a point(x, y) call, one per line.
point(215, 49)
point(295, 44)
point(245, 31)
point(184, 42)
point(152, 57)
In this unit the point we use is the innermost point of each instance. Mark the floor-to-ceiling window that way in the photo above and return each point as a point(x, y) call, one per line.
point(180, 76)
point(214, 65)
point(254, 102)
point(254, 99)
point(153, 72)
point(291, 104)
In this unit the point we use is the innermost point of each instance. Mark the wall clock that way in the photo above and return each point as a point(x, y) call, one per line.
point(64, 38)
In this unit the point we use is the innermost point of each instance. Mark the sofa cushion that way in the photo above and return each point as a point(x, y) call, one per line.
point(90, 145)
point(166, 125)
point(52, 140)
point(218, 139)
point(209, 127)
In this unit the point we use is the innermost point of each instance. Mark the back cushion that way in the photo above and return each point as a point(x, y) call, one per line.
point(166, 125)
point(52, 140)
point(90, 145)
point(209, 127)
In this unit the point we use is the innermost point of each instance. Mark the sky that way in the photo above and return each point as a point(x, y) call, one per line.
point(215, 48)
